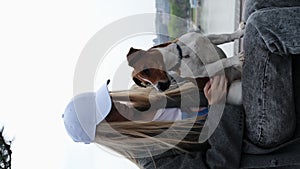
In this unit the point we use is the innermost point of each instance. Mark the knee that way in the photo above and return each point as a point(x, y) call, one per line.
point(252, 37)
point(256, 18)
point(252, 6)
point(256, 32)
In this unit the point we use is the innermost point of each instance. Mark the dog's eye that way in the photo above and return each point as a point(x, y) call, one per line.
point(138, 82)
point(147, 72)
point(147, 84)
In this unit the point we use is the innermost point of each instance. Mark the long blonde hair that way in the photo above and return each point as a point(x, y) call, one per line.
point(145, 139)
point(184, 95)
point(139, 140)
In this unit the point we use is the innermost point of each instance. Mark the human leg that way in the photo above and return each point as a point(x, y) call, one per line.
point(254, 5)
point(279, 29)
point(267, 76)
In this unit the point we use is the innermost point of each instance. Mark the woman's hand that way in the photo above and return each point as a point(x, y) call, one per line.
point(215, 90)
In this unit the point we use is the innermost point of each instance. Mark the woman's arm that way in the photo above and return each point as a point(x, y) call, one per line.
point(226, 141)
point(224, 152)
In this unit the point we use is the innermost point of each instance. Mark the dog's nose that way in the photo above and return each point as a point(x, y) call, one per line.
point(163, 85)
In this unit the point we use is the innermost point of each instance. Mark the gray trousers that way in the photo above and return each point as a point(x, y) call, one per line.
point(272, 36)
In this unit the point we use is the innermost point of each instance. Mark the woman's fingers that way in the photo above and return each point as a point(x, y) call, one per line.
point(207, 88)
point(223, 82)
point(220, 81)
point(215, 90)
point(216, 82)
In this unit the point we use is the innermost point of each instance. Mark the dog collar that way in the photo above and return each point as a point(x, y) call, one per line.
point(180, 56)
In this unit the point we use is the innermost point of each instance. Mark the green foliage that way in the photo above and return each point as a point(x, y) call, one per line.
point(181, 9)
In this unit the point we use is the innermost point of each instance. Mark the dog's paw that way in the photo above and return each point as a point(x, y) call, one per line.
point(242, 56)
point(239, 33)
point(242, 25)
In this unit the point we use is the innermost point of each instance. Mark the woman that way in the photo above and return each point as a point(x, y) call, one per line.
point(146, 104)
point(135, 135)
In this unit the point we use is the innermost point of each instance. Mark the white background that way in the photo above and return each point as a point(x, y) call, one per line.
point(40, 42)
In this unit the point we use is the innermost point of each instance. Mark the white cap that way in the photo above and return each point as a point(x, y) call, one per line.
point(85, 112)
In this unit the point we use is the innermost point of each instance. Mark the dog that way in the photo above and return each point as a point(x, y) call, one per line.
point(191, 56)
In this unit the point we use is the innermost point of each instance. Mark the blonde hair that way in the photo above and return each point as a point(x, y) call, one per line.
point(186, 95)
point(145, 139)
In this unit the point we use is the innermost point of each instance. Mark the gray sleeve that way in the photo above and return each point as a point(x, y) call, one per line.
point(179, 161)
point(224, 151)
point(226, 141)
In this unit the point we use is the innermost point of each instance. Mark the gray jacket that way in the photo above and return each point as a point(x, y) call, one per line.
point(226, 149)
point(222, 150)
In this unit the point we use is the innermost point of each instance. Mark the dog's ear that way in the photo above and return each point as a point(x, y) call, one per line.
point(133, 54)
point(132, 50)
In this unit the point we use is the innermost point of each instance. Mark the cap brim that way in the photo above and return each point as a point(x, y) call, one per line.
point(91, 109)
point(103, 102)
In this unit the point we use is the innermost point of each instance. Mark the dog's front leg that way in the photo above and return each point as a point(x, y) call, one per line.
point(225, 38)
point(241, 57)
point(218, 66)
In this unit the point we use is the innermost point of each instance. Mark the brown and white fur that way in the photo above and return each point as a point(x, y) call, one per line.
point(192, 55)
